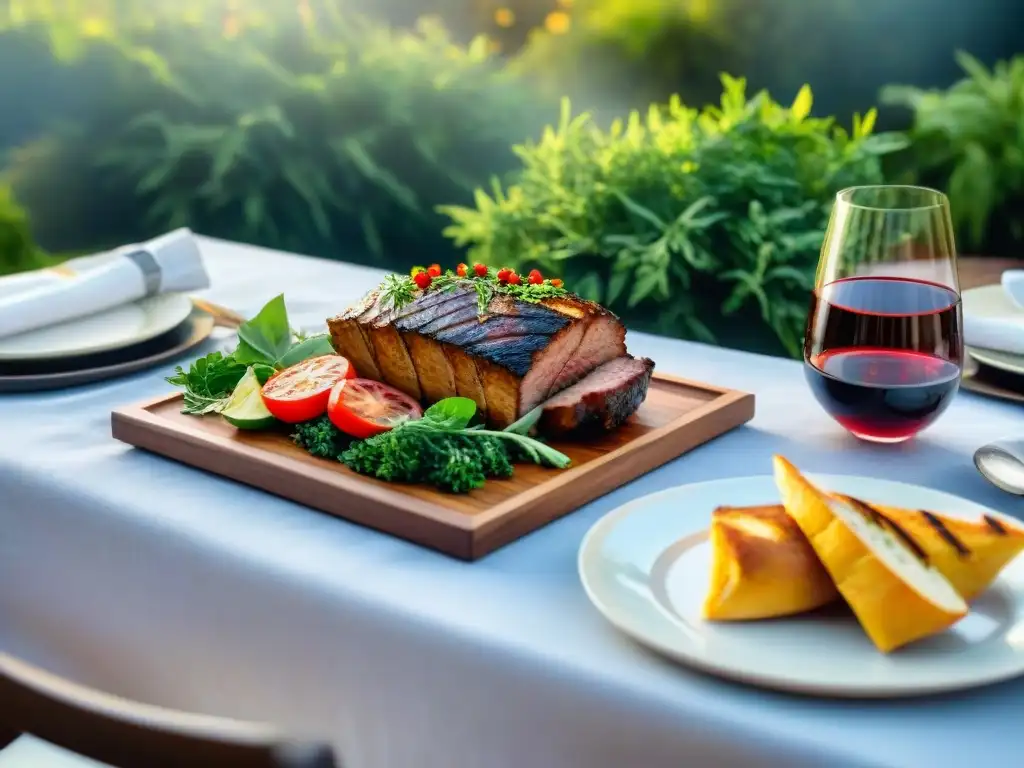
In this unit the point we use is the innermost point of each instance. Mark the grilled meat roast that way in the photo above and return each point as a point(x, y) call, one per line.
point(508, 360)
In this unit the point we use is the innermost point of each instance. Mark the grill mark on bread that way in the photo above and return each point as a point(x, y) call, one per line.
point(876, 516)
point(947, 535)
point(995, 525)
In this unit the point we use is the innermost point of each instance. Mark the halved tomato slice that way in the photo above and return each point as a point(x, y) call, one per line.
point(363, 408)
point(301, 392)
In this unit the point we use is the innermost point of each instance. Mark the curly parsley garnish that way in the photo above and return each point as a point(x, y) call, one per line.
point(439, 449)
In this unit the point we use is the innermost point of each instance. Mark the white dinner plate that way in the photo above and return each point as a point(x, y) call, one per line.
point(104, 331)
point(992, 320)
point(1004, 361)
point(645, 566)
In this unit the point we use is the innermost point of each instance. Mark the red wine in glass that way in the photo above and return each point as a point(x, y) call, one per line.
point(891, 359)
point(884, 346)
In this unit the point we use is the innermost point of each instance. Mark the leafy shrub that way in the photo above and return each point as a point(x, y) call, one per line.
point(683, 217)
point(316, 131)
point(969, 141)
point(17, 249)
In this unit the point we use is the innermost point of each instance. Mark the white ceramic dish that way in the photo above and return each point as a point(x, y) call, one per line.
point(992, 320)
point(1003, 361)
point(645, 567)
point(102, 332)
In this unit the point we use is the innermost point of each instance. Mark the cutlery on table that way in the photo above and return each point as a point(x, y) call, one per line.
point(1001, 462)
point(222, 316)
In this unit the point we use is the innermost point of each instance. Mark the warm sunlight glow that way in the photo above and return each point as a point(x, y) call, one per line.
point(504, 17)
point(231, 26)
point(94, 27)
point(557, 22)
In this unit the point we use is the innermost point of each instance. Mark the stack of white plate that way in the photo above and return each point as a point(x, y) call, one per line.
point(114, 343)
point(994, 335)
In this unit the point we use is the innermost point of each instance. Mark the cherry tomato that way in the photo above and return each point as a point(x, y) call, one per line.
point(363, 408)
point(301, 392)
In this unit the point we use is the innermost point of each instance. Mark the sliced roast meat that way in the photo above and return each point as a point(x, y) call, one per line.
point(508, 360)
point(600, 401)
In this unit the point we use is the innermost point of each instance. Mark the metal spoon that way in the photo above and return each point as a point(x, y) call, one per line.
point(1002, 463)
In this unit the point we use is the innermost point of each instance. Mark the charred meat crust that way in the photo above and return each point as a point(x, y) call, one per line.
point(507, 361)
point(351, 340)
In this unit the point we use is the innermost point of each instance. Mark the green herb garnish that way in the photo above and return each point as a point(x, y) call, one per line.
point(208, 382)
point(266, 342)
point(443, 450)
point(320, 438)
point(398, 290)
point(453, 462)
point(440, 449)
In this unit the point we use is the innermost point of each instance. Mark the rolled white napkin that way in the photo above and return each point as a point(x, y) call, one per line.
point(91, 284)
point(995, 319)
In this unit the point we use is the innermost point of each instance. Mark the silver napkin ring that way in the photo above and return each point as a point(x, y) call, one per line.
point(150, 268)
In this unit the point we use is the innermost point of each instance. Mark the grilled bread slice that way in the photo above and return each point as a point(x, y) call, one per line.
point(762, 566)
point(970, 553)
point(896, 596)
point(754, 558)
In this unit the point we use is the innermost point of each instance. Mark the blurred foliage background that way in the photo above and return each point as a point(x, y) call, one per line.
point(595, 138)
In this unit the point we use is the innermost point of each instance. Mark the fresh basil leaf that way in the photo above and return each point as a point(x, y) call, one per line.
point(314, 346)
point(269, 334)
point(245, 354)
point(263, 371)
point(451, 413)
point(524, 423)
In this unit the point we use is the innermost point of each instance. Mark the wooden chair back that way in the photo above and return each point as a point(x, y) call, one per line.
point(128, 734)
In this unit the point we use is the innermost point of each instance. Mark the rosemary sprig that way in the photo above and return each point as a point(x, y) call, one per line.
point(397, 290)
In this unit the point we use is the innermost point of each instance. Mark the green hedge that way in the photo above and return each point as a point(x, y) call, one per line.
point(17, 247)
point(701, 224)
point(307, 127)
point(969, 141)
point(327, 135)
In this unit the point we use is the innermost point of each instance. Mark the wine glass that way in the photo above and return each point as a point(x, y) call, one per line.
point(884, 348)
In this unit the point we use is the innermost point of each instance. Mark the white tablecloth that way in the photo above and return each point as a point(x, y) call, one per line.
point(169, 585)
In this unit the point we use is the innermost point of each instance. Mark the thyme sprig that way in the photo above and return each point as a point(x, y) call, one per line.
point(396, 291)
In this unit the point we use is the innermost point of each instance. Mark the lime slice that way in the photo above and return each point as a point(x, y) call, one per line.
point(245, 408)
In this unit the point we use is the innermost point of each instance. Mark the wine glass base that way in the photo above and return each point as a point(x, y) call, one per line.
point(882, 440)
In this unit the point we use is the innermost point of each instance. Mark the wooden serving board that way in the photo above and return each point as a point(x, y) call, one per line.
point(677, 416)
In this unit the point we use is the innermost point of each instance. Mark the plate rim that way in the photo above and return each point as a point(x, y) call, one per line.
point(994, 362)
point(151, 332)
point(202, 328)
point(768, 680)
